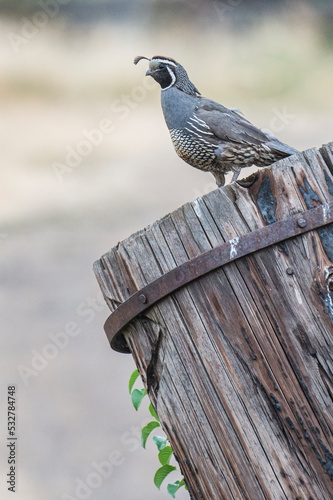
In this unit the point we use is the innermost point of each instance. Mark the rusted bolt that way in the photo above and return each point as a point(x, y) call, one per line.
point(290, 271)
point(142, 298)
point(301, 222)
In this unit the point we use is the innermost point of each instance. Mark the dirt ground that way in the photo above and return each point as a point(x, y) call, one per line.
point(86, 160)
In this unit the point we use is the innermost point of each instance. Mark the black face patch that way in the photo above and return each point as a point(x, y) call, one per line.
point(163, 75)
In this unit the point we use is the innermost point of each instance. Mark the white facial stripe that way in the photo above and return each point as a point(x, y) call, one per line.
point(173, 76)
point(165, 61)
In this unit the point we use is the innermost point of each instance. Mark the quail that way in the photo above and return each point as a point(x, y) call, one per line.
point(205, 134)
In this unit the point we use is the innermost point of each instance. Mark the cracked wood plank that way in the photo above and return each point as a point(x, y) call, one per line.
point(239, 363)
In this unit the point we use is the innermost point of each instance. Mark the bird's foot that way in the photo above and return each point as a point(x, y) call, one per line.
point(220, 178)
point(235, 176)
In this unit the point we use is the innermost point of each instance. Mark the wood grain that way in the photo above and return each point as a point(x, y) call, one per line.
point(239, 363)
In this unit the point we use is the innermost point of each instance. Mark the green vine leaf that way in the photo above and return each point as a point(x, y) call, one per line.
point(165, 455)
point(137, 397)
point(153, 412)
point(160, 442)
point(146, 431)
point(132, 379)
point(162, 473)
point(174, 487)
point(165, 451)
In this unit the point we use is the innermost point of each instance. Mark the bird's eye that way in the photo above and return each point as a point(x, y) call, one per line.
point(162, 66)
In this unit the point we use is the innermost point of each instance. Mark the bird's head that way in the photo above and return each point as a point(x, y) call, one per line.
point(168, 73)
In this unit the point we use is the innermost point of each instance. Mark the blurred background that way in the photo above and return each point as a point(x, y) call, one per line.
point(86, 160)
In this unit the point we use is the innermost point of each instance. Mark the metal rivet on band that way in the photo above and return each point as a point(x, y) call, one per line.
point(142, 298)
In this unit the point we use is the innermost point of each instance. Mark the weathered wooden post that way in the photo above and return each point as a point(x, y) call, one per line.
point(227, 308)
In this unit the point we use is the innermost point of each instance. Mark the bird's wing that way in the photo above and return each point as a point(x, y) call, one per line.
point(228, 125)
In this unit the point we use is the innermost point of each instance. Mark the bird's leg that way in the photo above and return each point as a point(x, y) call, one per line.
point(235, 176)
point(220, 178)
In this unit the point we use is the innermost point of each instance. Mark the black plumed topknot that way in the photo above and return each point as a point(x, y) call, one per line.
point(138, 58)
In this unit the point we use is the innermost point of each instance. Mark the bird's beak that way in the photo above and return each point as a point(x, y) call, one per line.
point(149, 72)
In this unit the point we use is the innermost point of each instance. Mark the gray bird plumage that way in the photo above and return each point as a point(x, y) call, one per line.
point(206, 134)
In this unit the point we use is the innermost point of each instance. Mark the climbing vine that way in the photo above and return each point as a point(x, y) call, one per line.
point(164, 449)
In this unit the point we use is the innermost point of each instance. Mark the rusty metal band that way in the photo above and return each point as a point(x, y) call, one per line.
point(209, 261)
